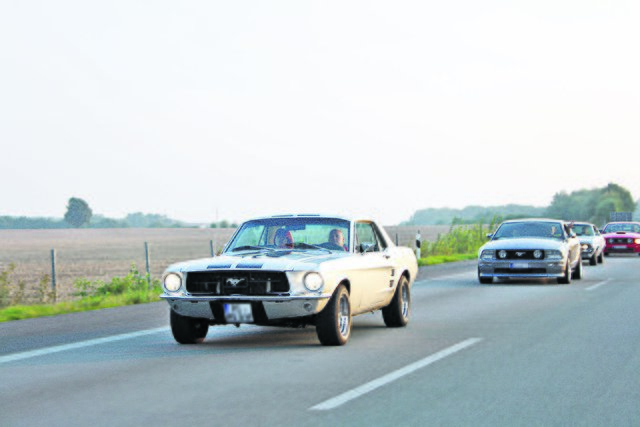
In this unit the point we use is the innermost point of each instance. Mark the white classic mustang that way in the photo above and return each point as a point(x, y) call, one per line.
point(293, 270)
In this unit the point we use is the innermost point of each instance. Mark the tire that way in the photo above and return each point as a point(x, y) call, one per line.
point(578, 272)
point(566, 279)
point(601, 258)
point(333, 324)
point(593, 260)
point(606, 254)
point(188, 330)
point(485, 280)
point(396, 314)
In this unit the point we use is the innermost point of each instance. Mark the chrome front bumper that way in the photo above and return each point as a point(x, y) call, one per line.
point(276, 307)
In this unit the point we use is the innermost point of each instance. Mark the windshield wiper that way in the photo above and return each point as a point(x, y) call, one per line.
point(251, 247)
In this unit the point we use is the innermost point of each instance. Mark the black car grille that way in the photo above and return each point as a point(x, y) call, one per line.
point(523, 254)
point(234, 282)
point(620, 240)
point(521, 271)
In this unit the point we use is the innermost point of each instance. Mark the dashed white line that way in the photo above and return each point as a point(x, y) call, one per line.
point(56, 349)
point(386, 379)
point(597, 285)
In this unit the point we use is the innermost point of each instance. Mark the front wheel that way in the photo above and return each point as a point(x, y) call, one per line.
point(577, 273)
point(566, 279)
point(333, 324)
point(188, 330)
point(601, 258)
point(593, 260)
point(396, 314)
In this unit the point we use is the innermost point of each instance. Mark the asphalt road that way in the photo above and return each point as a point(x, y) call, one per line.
point(511, 353)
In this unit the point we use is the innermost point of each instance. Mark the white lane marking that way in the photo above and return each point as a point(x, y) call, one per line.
point(597, 285)
point(56, 349)
point(386, 379)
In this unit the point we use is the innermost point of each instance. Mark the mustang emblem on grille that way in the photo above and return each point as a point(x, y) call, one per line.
point(520, 253)
point(234, 282)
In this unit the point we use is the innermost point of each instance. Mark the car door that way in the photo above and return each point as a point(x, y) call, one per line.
point(375, 265)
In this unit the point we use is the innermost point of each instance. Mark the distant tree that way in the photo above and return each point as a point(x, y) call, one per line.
point(78, 212)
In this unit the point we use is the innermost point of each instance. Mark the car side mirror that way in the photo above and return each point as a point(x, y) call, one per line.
point(489, 236)
point(365, 247)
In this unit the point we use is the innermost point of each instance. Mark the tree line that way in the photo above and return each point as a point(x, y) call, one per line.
point(594, 205)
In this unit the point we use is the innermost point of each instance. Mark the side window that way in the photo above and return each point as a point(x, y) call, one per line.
point(366, 235)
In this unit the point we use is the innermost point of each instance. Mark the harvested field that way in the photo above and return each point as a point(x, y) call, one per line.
point(105, 253)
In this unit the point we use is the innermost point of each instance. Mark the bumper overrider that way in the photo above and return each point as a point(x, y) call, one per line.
point(533, 269)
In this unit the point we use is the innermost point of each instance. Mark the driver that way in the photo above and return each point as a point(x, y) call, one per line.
point(283, 239)
point(336, 240)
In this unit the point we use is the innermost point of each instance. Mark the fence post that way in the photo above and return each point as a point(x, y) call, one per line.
point(211, 247)
point(396, 239)
point(146, 256)
point(53, 274)
point(418, 244)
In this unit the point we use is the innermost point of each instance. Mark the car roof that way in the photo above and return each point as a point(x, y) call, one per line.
point(309, 215)
point(534, 220)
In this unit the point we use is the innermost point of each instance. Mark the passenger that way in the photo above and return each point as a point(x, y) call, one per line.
point(283, 239)
point(336, 240)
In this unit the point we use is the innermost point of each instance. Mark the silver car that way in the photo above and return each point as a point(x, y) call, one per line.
point(293, 270)
point(591, 241)
point(531, 248)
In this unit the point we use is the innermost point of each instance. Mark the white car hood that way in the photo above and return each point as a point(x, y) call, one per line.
point(274, 261)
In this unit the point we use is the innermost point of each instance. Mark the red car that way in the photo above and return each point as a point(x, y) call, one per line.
point(622, 238)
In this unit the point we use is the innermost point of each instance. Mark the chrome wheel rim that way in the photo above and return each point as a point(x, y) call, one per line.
point(343, 316)
point(405, 301)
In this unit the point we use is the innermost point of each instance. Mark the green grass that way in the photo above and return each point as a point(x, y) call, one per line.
point(18, 312)
point(441, 259)
point(134, 288)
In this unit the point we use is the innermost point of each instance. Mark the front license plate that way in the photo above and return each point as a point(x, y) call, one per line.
point(519, 265)
point(238, 313)
point(619, 247)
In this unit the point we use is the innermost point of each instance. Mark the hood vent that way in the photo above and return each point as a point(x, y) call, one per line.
point(249, 265)
point(212, 266)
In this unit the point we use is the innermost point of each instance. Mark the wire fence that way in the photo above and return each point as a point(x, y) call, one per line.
point(43, 265)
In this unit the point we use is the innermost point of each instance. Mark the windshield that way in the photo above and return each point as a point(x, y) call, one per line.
point(583, 230)
point(514, 230)
point(328, 234)
point(628, 227)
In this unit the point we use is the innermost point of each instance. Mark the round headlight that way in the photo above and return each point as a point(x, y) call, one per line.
point(637, 241)
point(313, 281)
point(502, 254)
point(172, 282)
point(537, 254)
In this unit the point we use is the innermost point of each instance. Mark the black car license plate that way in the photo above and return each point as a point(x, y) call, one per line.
point(238, 313)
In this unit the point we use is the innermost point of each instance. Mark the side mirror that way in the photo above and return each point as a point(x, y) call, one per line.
point(489, 236)
point(365, 247)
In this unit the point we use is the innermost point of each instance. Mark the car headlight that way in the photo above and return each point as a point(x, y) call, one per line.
point(637, 241)
point(488, 254)
point(172, 282)
point(537, 254)
point(554, 255)
point(313, 281)
point(586, 247)
point(502, 254)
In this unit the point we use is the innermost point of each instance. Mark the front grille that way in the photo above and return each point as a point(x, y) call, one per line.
point(620, 240)
point(233, 282)
point(520, 271)
point(524, 254)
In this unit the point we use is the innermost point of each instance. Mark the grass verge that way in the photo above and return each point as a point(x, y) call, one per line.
point(441, 259)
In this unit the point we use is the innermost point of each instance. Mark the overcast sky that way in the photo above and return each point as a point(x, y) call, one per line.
point(230, 109)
